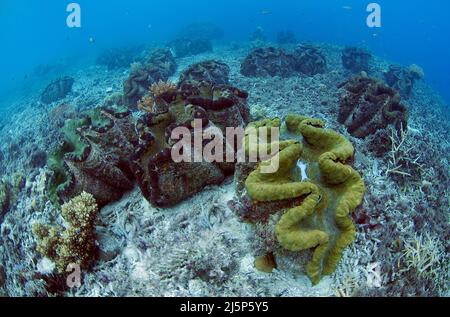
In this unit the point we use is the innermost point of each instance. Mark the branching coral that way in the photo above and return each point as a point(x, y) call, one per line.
point(401, 162)
point(425, 254)
point(322, 202)
point(75, 243)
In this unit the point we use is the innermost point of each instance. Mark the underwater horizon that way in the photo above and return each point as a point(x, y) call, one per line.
point(198, 148)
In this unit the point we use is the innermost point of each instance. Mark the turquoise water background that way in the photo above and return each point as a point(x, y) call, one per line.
point(34, 32)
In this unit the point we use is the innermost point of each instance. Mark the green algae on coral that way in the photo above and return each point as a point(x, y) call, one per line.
point(331, 191)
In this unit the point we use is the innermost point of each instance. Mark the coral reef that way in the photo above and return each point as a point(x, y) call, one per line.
point(318, 199)
point(309, 60)
point(356, 59)
point(160, 65)
point(186, 47)
point(368, 106)
point(213, 72)
point(93, 156)
point(115, 58)
point(199, 247)
point(402, 79)
point(57, 90)
point(163, 181)
point(75, 242)
point(271, 61)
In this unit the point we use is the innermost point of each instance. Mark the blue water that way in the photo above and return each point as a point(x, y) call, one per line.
point(34, 32)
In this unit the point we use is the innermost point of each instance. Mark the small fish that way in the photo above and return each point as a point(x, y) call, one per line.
point(347, 8)
point(91, 40)
point(266, 12)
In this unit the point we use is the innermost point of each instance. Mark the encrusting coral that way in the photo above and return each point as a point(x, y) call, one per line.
point(322, 197)
point(75, 243)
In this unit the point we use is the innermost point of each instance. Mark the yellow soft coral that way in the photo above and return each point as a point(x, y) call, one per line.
point(75, 243)
point(331, 191)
